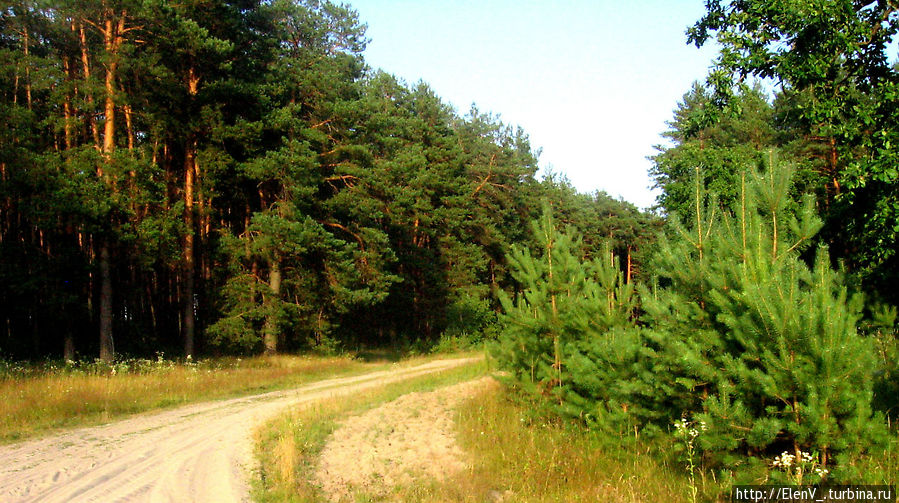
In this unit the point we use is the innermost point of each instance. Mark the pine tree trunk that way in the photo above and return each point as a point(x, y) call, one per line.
point(112, 40)
point(187, 323)
point(68, 350)
point(86, 69)
point(270, 331)
point(27, 69)
point(629, 267)
point(107, 348)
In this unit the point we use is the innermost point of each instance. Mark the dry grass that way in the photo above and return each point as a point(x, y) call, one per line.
point(35, 402)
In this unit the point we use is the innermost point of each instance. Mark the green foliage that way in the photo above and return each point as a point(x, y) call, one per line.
point(564, 318)
point(833, 63)
point(757, 343)
point(744, 337)
point(318, 278)
point(235, 171)
point(882, 327)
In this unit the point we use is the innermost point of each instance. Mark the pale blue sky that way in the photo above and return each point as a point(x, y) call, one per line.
point(591, 82)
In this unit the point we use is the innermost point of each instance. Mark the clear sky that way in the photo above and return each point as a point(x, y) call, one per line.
point(591, 82)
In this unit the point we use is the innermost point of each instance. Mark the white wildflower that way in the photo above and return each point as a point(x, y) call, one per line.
point(785, 460)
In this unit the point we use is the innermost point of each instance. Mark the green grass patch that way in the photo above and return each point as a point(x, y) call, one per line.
point(38, 399)
point(288, 446)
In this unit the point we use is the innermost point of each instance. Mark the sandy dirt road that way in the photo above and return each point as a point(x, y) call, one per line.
point(200, 453)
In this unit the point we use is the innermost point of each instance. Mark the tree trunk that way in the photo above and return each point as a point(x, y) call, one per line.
point(86, 69)
point(67, 106)
point(629, 268)
point(112, 39)
point(187, 323)
point(107, 348)
point(27, 68)
point(68, 350)
point(270, 332)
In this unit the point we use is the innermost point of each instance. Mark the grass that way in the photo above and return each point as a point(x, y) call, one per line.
point(38, 399)
point(288, 446)
point(516, 456)
point(513, 457)
point(513, 454)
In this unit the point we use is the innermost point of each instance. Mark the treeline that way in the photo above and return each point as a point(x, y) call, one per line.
point(765, 345)
point(199, 177)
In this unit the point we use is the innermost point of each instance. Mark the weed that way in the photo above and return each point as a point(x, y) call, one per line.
point(687, 432)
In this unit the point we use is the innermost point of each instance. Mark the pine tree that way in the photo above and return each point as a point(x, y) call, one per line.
point(757, 343)
point(558, 322)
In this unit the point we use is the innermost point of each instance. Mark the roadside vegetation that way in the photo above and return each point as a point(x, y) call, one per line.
point(37, 398)
point(750, 352)
point(518, 454)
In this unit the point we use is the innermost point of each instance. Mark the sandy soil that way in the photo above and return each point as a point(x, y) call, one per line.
point(200, 453)
point(411, 438)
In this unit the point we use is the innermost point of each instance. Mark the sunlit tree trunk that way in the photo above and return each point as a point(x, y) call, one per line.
point(112, 41)
point(270, 331)
point(86, 71)
point(188, 324)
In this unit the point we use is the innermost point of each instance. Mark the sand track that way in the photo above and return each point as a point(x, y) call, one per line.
point(199, 452)
point(399, 443)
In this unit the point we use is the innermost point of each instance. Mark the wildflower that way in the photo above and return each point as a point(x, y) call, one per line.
point(785, 460)
point(821, 471)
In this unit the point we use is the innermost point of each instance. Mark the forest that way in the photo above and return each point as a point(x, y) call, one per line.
point(231, 177)
point(220, 177)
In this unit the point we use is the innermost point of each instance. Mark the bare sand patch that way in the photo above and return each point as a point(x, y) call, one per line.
point(411, 438)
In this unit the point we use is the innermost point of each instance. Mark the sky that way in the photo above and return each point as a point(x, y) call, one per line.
point(591, 82)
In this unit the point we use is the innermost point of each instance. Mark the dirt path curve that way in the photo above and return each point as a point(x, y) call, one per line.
point(198, 453)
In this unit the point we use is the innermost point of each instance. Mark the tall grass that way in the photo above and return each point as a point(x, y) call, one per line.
point(37, 398)
point(288, 447)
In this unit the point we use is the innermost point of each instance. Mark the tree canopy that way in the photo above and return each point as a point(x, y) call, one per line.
point(230, 175)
